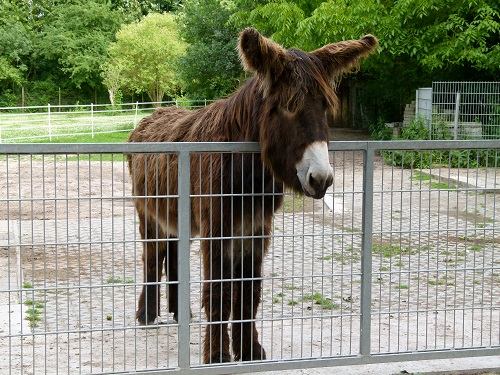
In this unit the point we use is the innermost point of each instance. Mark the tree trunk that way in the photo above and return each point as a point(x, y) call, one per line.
point(111, 97)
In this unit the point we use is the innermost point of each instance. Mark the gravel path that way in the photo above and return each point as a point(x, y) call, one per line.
point(436, 269)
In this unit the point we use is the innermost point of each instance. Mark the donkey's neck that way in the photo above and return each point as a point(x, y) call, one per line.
point(241, 111)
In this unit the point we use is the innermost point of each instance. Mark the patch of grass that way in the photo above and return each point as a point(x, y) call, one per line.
point(27, 285)
point(118, 137)
point(326, 257)
point(476, 247)
point(119, 280)
point(388, 250)
point(109, 317)
point(425, 177)
point(319, 299)
point(33, 316)
point(442, 185)
point(421, 176)
point(292, 303)
point(290, 287)
point(35, 304)
point(440, 281)
point(402, 286)
point(276, 300)
point(280, 295)
point(293, 203)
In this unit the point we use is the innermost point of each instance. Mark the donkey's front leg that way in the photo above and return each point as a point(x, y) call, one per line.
point(246, 300)
point(216, 302)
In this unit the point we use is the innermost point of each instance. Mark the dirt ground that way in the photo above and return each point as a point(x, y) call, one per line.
point(69, 239)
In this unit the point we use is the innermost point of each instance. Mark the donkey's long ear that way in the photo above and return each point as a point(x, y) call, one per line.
point(261, 55)
point(341, 57)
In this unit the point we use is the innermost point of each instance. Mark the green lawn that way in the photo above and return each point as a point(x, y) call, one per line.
point(85, 138)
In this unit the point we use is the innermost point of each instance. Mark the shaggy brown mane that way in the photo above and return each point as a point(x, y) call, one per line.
point(238, 117)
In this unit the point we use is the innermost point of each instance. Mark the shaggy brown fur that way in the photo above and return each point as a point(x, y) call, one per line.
point(283, 107)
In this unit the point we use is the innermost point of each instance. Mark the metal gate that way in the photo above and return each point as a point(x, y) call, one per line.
point(400, 260)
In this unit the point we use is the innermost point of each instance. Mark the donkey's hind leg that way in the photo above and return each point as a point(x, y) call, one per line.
point(153, 256)
point(172, 276)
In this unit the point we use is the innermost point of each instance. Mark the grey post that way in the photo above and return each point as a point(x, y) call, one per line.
point(184, 230)
point(366, 255)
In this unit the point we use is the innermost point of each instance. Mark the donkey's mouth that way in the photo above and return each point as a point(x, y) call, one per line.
point(316, 195)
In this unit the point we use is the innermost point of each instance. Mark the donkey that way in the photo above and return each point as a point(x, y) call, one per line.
point(284, 108)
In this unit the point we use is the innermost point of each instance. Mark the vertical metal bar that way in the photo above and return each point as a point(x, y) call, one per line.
point(366, 255)
point(457, 113)
point(184, 230)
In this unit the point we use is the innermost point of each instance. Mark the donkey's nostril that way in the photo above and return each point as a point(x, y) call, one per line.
point(312, 181)
point(329, 180)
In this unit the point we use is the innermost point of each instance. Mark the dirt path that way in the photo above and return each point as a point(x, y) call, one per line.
point(436, 278)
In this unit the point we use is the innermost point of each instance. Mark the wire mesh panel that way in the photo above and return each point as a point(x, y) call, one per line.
point(72, 270)
point(466, 110)
point(435, 250)
point(180, 265)
point(299, 271)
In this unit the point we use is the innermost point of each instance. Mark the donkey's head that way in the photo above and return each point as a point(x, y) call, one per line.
point(297, 92)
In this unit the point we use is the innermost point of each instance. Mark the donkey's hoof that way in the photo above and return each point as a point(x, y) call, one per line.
point(256, 353)
point(144, 318)
point(176, 316)
point(218, 358)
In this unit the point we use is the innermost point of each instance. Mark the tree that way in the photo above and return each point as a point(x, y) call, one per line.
point(75, 37)
point(420, 40)
point(112, 79)
point(210, 68)
point(15, 44)
point(146, 54)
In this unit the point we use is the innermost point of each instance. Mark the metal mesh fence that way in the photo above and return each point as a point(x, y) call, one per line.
point(399, 260)
point(466, 110)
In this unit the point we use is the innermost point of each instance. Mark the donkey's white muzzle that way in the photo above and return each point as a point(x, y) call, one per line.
point(314, 170)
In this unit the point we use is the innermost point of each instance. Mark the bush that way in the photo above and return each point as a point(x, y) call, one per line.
point(417, 130)
point(379, 131)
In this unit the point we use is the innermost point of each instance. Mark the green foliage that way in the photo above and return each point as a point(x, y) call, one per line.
point(210, 68)
point(420, 41)
point(145, 57)
point(379, 131)
point(15, 43)
point(75, 36)
point(63, 44)
point(417, 130)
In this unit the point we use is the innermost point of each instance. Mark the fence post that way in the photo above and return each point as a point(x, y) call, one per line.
point(184, 230)
point(366, 253)
point(457, 113)
point(205, 102)
point(136, 112)
point(92, 117)
point(417, 102)
point(49, 122)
